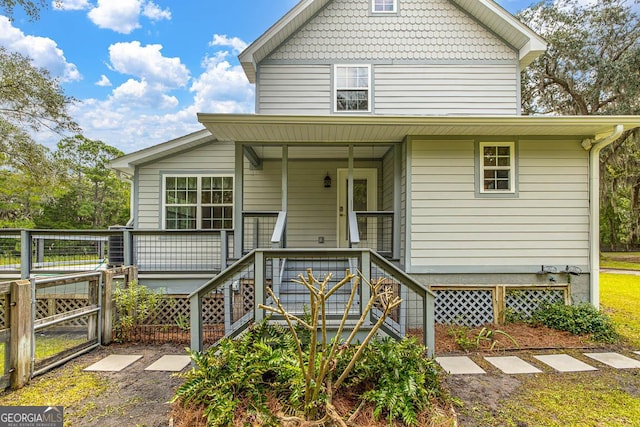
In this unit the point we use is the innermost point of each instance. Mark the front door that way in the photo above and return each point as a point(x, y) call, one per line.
point(365, 198)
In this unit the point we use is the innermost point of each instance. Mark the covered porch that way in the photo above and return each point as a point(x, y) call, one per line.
point(320, 196)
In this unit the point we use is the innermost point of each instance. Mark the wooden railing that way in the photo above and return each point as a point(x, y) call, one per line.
point(261, 269)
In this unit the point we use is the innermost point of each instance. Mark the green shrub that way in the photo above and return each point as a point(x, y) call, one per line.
point(578, 319)
point(400, 380)
point(396, 377)
point(135, 305)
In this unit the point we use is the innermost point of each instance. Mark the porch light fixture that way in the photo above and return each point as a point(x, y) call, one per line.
point(327, 181)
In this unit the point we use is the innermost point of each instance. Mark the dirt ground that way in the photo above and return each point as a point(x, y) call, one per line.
point(135, 397)
point(139, 398)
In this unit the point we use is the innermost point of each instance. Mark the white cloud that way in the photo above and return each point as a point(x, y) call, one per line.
point(143, 111)
point(123, 16)
point(104, 81)
point(222, 87)
point(117, 15)
point(222, 40)
point(140, 93)
point(71, 4)
point(148, 63)
point(153, 12)
point(44, 51)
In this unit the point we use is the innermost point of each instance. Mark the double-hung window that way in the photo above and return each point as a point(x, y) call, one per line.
point(198, 202)
point(497, 167)
point(384, 6)
point(352, 88)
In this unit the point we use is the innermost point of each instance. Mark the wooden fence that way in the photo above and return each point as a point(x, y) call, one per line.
point(28, 308)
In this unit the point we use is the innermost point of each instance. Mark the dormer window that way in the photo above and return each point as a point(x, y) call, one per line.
point(384, 6)
point(352, 88)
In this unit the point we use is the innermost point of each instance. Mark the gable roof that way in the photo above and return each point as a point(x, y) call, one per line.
point(528, 44)
point(128, 162)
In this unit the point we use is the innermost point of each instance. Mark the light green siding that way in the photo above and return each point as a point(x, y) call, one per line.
point(547, 223)
point(215, 157)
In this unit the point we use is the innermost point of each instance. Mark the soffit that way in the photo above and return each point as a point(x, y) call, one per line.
point(388, 129)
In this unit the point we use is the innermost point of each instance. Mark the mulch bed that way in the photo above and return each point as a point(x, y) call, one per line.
point(527, 337)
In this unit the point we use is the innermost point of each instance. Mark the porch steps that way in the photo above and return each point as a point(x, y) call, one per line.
point(321, 268)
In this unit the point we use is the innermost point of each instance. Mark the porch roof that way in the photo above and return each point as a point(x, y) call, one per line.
point(259, 128)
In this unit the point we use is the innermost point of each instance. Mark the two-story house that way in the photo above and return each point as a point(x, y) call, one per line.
point(392, 125)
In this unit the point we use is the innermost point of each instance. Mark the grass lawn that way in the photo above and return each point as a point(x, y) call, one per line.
point(620, 260)
point(620, 298)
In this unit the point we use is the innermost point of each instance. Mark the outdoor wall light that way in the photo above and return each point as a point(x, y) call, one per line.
point(327, 181)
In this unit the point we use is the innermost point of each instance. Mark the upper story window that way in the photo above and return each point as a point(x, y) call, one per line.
point(192, 202)
point(384, 6)
point(497, 167)
point(352, 87)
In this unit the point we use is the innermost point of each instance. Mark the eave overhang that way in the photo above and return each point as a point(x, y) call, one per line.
point(258, 128)
point(128, 162)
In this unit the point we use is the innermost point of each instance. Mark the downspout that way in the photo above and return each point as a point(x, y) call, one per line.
point(126, 178)
point(595, 148)
point(131, 202)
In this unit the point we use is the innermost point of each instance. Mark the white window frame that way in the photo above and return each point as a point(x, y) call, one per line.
point(374, 10)
point(199, 204)
point(511, 168)
point(336, 67)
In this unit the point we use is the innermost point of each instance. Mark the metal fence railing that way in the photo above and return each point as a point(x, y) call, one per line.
point(25, 253)
point(375, 231)
point(257, 230)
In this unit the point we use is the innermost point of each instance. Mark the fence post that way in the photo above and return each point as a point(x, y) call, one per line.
point(107, 307)
point(127, 247)
point(195, 315)
point(130, 274)
point(21, 340)
point(25, 254)
point(93, 300)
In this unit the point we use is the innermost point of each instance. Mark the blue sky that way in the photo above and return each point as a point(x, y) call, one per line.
point(142, 69)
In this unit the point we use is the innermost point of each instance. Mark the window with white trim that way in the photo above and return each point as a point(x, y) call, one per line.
point(384, 6)
point(497, 167)
point(192, 202)
point(352, 88)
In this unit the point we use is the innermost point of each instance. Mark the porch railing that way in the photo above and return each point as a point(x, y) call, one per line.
point(262, 268)
point(24, 253)
point(258, 227)
point(373, 230)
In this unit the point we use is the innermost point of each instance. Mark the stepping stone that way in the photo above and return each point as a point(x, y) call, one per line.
point(564, 363)
point(114, 363)
point(614, 360)
point(512, 365)
point(458, 365)
point(171, 362)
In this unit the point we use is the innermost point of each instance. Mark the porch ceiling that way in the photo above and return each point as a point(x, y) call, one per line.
point(258, 128)
point(316, 152)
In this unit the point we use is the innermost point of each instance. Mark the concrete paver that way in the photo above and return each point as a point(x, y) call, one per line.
point(114, 362)
point(169, 362)
point(564, 363)
point(458, 365)
point(512, 365)
point(615, 360)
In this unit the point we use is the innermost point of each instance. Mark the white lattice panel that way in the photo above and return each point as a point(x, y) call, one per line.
point(526, 301)
point(464, 307)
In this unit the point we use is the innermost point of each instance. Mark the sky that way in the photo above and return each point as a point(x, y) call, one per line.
point(142, 69)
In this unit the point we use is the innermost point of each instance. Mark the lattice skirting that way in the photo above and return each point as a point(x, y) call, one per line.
point(479, 305)
point(176, 309)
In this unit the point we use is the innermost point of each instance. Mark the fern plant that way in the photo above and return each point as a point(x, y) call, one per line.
point(400, 379)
